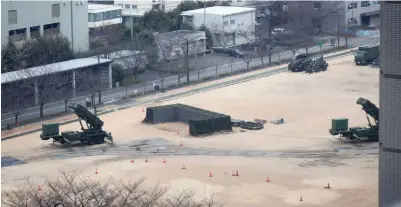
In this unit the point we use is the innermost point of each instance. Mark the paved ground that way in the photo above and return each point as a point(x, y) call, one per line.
point(299, 157)
point(111, 95)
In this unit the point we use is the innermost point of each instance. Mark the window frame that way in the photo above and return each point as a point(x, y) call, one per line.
point(56, 10)
point(365, 4)
point(16, 16)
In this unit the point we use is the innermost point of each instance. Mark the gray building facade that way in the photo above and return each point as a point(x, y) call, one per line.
point(390, 105)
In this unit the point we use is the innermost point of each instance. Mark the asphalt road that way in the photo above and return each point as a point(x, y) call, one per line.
point(114, 94)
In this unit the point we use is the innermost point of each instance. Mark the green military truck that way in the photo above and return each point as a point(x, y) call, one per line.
point(366, 54)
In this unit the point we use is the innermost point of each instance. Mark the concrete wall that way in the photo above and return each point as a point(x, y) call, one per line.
point(301, 15)
point(356, 12)
point(215, 23)
point(39, 13)
point(390, 105)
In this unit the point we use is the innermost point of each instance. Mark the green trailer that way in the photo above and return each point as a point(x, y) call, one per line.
point(366, 54)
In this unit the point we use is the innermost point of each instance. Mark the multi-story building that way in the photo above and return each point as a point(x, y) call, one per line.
point(390, 105)
point(365, 13)
point(27, 20)
point(132, 9)
point(101, 15)
point(329, 15)
point(173, 45)
point(226, 23)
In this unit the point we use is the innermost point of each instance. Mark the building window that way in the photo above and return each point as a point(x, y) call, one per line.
point(352, 5)
point(232, 21)
point(365, 3)
point(127, 6)
point(35, 32)
point(55, 10)
point(118, 13)
point(225, 22)
point(135, 6)
point(17, 35)
point(317, 5)
point(352, 20)
point(113, 14)
point(51, 29)
point(106, 15)
point(99, 16)
point(12, 17)
point(91, 17)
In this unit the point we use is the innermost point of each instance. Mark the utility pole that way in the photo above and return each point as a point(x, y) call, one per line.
point(338, 28)
point(187, 59)
point(269, 39)
point(204, 13)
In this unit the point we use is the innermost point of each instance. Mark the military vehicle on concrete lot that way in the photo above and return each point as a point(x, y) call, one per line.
point(297, 62)
point(316, 64)
point(93, 134)
point(371, 133)
point(308, 63)
point(366, 54)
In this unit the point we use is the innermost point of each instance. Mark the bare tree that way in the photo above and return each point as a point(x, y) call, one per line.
point(90, 79)
point(221, 37)
point(46, 83)
point(107, 39)
point(181, 51)
point(133, 56)
point(71, 190)
point(257, 41)
point(14, 98)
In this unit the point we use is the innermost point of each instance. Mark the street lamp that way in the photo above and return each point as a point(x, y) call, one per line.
point(338, 27)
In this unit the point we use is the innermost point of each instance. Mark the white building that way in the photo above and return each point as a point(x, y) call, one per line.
point(362, 13)
point(26, 20)
point(103, 15)
point(132, 9)
point(172, 45)
point(225, 23)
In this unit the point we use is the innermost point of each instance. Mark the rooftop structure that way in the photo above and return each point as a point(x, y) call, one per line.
point(100, 15)
point(51, 68)
point(219, 10)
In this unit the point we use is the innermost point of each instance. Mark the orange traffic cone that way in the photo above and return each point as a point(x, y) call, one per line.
point(96, 172)
point(143, 109)
point(267, 179)
point(132, 161)
point(210, 174)
point(164, 160)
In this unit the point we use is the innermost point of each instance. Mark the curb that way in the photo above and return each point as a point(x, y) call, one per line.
point(182, 94)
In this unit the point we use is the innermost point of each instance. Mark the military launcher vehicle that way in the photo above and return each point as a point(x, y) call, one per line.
point(307, 63)
point(371, 133)
point(366, 54)
point(93, 134)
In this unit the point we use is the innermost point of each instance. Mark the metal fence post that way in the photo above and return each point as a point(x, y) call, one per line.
point(144, 88)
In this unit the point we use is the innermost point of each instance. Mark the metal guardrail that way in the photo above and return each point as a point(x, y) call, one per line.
point(193, 91)
point(112, 95)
